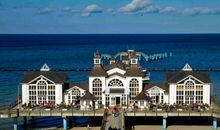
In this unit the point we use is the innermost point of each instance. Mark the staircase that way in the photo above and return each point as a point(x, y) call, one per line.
point(115, 122)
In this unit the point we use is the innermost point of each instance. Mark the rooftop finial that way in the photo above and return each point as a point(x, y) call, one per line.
point(97, 54)
point(187, 68)
point(45, 68)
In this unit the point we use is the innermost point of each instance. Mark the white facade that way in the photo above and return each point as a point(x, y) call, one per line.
point(41, 90)
point(116, 85)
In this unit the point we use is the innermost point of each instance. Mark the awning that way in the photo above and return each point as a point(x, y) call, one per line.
point(117, 90)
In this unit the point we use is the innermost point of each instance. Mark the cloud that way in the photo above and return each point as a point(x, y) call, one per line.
point(90, 9)
point(140, 7)
point(201, 11)
point(45, 10)
point(168, 10)
point(134, 6)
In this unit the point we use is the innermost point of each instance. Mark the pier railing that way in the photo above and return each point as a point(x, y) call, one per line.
point(8, 113)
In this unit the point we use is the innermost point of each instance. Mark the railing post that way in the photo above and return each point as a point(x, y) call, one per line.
point(214, 125)
point(164, 126)
point(64, 123)
point(15, 124)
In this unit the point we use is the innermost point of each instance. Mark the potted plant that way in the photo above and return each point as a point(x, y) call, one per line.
point(124, 106)
point(179, 107)
point(159, 108)
point(29, 106)
point(63, 106)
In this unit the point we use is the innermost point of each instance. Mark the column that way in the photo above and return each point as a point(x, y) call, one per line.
point(15, 125)
point(64, 123)
point(214, 126)
point(164, 127)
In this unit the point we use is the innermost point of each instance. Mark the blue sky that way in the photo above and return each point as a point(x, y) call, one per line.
point(109, 16)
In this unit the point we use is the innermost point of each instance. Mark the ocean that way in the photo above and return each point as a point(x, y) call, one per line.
point(30, 52)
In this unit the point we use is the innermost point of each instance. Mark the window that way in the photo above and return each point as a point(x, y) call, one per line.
point(97, 61)
point(74, 95)
point(199, 94)
point(142, 103)
point(155, 95)
point(115, 83)
point(133, 61)
point(42, 92)
point(32, 94)
point(124, 99)
point(179, 94)
point(189, 93)
point(51, 94)
point(107, 100)
point(134, 89)
point(97, 89)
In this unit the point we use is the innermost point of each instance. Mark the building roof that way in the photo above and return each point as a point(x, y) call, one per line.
point(174, 77)
point(117, 64)
point(57, 77)
point(88, 96)
point(125, 57)
point(133, 55)
point(83, 86)
point(98, 70)
point(142, 96)
point(163, 86)
point(134, 70)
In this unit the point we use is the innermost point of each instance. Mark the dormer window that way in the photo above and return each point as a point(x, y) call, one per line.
point(96, 61)
point(134, 61)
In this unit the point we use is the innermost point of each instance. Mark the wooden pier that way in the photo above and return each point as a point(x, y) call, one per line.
point(65, 113)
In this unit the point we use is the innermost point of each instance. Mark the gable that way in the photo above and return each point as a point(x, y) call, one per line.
point(197, 81)
point(174, 77)
point(154, 87)
point(116, 70)
point(34, 81)
point(80, 89)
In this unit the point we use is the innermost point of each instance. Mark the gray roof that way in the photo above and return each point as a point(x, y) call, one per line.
point(174, 77)
point(57, 77)
point(83, 86)
point(117, 64)
point(97, 70)
point(88, 96)
point(134, 70)
point(142, 96)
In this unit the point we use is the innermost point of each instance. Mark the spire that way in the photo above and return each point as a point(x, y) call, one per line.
point(45, 68)
point(97, 58)
point(97, 54)
point(187, 68)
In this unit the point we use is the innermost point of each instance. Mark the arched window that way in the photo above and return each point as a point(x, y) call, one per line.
point(75, 94)
point(134, 89)
point(115, 83)
point(42, 91)
point(189, 92)
point(97, 89)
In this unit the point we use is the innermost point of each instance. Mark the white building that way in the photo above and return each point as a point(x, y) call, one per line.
point(121, 83)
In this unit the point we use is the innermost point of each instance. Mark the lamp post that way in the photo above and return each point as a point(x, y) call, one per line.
point(18, 96)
